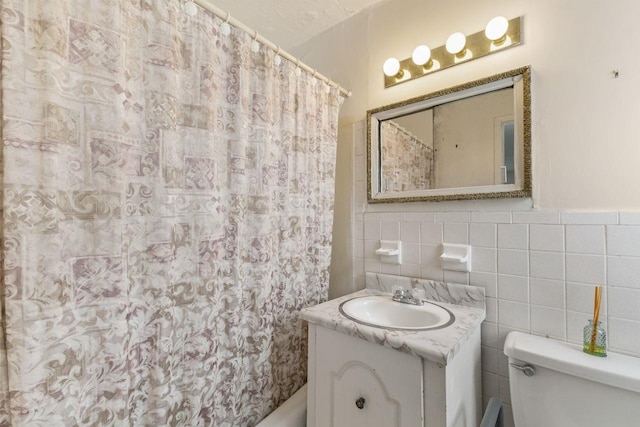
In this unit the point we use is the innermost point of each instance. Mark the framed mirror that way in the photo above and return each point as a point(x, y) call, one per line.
point(471, 141)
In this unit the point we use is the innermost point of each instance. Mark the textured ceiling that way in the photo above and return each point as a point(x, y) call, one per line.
point(290, 23)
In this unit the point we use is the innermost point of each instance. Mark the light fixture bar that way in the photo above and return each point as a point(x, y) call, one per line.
point(477, 46)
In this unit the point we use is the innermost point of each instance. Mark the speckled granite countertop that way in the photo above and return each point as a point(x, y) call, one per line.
point(438, 345)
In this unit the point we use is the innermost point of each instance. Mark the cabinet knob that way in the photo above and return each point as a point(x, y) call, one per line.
point(360, 402)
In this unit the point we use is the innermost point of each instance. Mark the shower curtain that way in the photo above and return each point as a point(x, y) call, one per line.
point(167, 207)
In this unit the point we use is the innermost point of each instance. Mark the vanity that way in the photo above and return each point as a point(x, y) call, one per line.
point(364, 374)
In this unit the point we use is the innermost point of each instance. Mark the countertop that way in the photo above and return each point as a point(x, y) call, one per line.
point(438, 345)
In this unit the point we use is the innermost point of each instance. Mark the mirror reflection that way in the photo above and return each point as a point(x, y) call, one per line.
point(470, 141)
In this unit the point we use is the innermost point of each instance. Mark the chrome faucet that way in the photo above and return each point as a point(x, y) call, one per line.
point(404, 296)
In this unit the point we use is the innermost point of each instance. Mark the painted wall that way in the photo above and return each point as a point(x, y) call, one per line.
point(537, 258)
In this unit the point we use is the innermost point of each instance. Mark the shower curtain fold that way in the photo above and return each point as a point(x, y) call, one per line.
point(167, 208)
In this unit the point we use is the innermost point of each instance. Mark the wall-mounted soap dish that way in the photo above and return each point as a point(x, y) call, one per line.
point(390, 251)
point(456, 257)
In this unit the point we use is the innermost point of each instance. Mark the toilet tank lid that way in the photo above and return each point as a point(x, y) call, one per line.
point(617, 370)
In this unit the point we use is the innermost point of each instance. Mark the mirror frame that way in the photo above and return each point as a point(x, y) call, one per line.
point(375, 116)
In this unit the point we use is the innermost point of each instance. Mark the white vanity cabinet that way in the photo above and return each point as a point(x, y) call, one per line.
point(357, 382)
point(351, 373)
point(396, 388)
point(361, 375)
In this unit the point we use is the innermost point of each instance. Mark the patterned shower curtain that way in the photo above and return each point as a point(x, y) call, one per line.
point(167, 206)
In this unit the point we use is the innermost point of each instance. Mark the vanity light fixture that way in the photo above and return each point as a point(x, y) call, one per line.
point(499, 34)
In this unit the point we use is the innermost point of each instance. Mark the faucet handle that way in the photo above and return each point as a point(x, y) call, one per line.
point(397, 290)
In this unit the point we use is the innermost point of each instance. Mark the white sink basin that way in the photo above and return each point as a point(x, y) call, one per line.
point(382, 312)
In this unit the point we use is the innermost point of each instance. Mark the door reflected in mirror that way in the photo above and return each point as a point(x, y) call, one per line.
point(471, 141)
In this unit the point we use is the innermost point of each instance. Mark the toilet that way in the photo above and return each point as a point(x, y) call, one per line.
point(554, 383)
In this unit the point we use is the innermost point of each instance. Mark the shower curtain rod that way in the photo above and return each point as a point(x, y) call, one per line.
point(205, 4)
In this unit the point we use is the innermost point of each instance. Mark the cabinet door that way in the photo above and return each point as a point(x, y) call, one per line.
point(364, 384)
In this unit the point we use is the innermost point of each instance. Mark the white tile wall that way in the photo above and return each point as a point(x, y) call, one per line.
point(538, 268)
point(538, 276)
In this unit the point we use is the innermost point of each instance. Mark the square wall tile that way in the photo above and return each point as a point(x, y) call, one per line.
point(411, 253)
point(547, 265)
point(513, 236)
point(410, 232)
point(430, 254)
point(484, 235)
point(431, 232)
point(624, 336)
point(586, 269)
point(513, 314)
point(456, 233)
point(624, 303)
point(372, 230)
point(484, 260)
point(513, 262)
point(513, 288)
point(410, 270)
point(489, 281)
point(371, 266)
point(623, 272)
point(548, 321)
point(623, 240)
point(390, 269)
point(547, 293)
point(585, 239)
point(370, 248)
point(580, 298)
point(546, 238)
point(390, 230)
point(431, 273)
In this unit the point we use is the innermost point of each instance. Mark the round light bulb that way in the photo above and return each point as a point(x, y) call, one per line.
point(255, 46)
point(455, 43)
point(496, 28)
point(421, 55)
point(391, 67)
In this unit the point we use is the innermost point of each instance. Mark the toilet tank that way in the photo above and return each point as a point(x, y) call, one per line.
point(569, 387)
